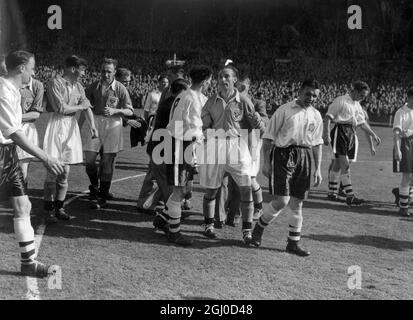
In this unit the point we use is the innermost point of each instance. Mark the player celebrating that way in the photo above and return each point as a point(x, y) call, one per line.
point(32, 106)
point(20, 66)
point(65, 97)
point(295, 129)
point(110, 100)
point(185, 126)
point(403, 149)
point(230, 111)
point(347, 114)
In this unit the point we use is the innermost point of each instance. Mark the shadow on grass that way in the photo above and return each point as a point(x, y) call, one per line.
point(10, 273)
point(372, 241)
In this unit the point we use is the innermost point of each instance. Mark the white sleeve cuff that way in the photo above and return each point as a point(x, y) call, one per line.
point(7, 133)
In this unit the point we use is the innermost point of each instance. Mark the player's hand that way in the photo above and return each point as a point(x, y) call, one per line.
point(327, 139)
point(373, 151)
point(397, 155)
point(377, 139)
point(109, 112)
point(404, 134)
point(53, 165)
point(266, 169)
point(85, 106)
point(94, 133)
point(317, 178)
point(134, 123)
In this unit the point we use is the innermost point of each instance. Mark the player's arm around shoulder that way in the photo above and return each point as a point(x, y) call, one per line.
point(125, 105)
point(253, 117)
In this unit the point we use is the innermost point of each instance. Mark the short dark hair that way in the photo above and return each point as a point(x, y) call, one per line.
point(123, 72)
point(179, 85)
point(200, 73)
point(235, 70)
point(177, 69)
point(17, 58)
point(75, 62)
point(410, 92)
point(107, 61)
point(310, 83)
point(360, 86)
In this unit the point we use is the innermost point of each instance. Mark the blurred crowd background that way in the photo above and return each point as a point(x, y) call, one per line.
point(277, 43)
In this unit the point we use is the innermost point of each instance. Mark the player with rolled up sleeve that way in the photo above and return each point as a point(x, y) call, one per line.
point(295, 129)
point(110, 100)
point(62, 139)
point(233, 114)
point(20, 66)
point(32, 107)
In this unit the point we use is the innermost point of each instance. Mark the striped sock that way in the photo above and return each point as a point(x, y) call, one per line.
point(333, 179)
point(24, 233)
point(295, 225)
point(410, 193)
point(174, 212)
point(347, 186)
point(164, 214)
point(404, 197)
point(269, 214)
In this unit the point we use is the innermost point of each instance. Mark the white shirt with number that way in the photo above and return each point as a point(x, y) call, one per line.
point(293, 125)
point(185, 120)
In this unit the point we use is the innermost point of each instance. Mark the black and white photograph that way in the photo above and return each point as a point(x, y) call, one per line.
point(206, 154)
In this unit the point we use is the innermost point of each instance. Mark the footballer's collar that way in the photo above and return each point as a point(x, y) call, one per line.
point(296, 105)
point(29, 85)
point(112, 85)
point(235, 97)
point(67, 82)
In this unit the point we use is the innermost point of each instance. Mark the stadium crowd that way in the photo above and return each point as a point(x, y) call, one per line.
point(275, 81)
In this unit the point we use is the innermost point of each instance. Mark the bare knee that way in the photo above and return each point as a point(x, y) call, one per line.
point(280, 203)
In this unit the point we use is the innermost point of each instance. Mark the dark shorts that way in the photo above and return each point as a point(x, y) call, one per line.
point(11, 175)
point(344, 141)
point(406, 163)
point(179, 172)
point(290, 171)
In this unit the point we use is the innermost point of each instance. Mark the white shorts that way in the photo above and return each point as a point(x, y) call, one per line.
point(110, 132)
point(62, 139)
point(211, 173)
point(30, 131)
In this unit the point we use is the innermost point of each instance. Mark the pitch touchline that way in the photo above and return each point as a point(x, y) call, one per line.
point(32, 285)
